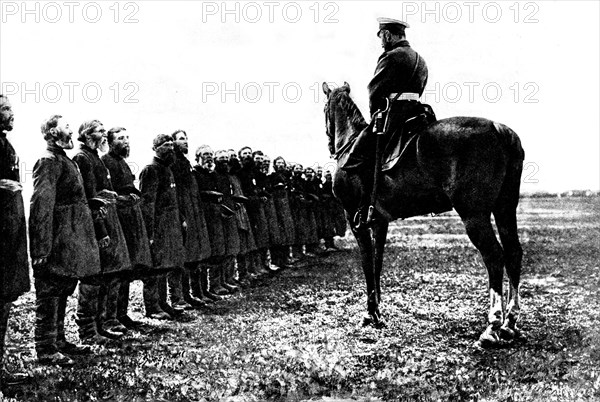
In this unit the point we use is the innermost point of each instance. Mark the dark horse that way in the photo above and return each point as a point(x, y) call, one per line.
point(471, 164)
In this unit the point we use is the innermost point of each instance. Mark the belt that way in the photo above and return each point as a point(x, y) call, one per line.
point(404, 96)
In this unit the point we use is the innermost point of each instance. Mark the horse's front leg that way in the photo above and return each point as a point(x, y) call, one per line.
point(365, 245)
point(380, 230)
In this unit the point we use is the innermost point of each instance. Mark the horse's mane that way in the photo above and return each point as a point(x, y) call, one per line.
point(343, 99)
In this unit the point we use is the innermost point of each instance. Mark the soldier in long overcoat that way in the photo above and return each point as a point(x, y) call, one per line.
point(313, 191)
point(196, 238)
point(279, 184)
point(163, 224)
point(97, 309)
point(211, 201)
point(130, 216)
point(14, 264)
point(264, 186)
point(256, 211)
point(247, 243)
point(63, 243)
point(230, 222)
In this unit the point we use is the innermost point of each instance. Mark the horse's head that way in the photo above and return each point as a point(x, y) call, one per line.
point(342, 116)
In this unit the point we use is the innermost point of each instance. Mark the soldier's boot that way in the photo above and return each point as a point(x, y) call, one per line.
point(65, 347)
point(227, 273)
point(313, 250)
point(162, 297)
point(246, 274)
point(111, 319)
point(87, 310)
point(330, 245)
point(175, 286)
point(243, 274)
point(187, 276)
point(8, 378)
point(258, 261)
point(151, 300)
point(204, 283)
point(298, 253)
point(106, 307)
point(214, 277)
point(196, 285)
point(234, 273)
point(123, 306)
point(46, 320)
point(266, 261)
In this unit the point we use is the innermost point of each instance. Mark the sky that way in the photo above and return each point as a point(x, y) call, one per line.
point(249, 73)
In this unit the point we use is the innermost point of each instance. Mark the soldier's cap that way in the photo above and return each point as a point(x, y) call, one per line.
point(391, 25)
point(161, 139)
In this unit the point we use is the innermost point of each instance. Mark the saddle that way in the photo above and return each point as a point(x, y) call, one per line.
point(401, 139)
point(361, 154)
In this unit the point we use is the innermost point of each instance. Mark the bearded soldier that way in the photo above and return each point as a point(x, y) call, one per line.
point(247, 243)
point(196, 241)
point(262, 165)
point(230, 223)
point(256, 212)
point(279, 183)
point(211, 200)
point(399, 80)
point(130, 216)
point(312, 194)
point(163, 224)
point(97, 310)
point(14, 265)
point(63, 243)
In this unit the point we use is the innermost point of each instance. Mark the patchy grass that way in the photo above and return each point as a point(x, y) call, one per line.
point(296, 336)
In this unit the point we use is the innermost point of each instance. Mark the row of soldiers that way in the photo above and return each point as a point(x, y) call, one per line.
point(192, 234)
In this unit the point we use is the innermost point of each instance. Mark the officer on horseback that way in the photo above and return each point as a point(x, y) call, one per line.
point(394, 92)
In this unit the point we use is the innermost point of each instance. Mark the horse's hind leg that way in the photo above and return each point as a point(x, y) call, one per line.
point(513, 254)
point(480, 231)
point(506, 221)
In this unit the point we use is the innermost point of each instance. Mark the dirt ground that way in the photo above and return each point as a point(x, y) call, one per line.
point(297, 335)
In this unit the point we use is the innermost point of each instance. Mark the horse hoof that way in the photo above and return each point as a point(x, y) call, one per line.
point(507, 334)
point(489, 339)
point(373, 320)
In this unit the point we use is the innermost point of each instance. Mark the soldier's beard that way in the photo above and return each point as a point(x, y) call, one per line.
point(122, 151)
point(222, 167)
point(168, 157)
point(248, 161)
point(102, 145)
point(182, 149)
point(234, 165)
point(65, 143)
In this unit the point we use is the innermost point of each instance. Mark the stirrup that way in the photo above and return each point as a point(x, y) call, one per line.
point(357, 220)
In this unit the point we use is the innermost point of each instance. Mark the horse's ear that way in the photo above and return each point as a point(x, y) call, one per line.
point(326, 88)
point(347, 86)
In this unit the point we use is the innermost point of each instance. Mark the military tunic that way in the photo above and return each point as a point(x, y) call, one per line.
point(60, 221)
point(129, 212)
point(96, 177)
point(161, 215)
point(279, 185)
point(230, 225)
point(394, 74)
point(212, 211)
point(255, 208)
point(14, 264)
point(196, 241)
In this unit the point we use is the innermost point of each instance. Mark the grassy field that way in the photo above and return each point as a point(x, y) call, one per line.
point(297, 336)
